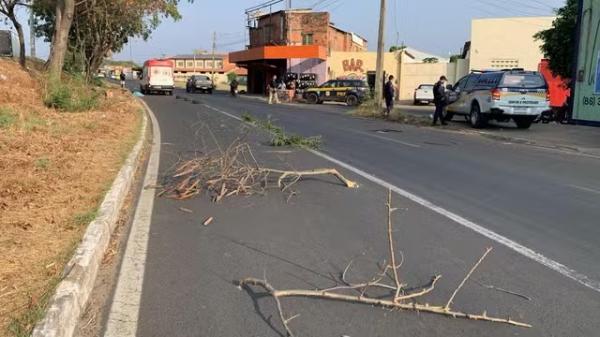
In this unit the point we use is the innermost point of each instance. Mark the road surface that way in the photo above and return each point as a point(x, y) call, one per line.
point(457, 193)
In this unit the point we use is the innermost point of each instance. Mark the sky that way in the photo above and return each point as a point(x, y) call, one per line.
point(439, 27)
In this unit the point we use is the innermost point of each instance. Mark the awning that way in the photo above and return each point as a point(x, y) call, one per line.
point(279, 52)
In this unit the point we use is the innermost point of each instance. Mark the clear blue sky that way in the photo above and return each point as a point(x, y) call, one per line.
point(436, 26)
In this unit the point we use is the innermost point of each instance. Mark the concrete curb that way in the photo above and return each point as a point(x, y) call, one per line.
point(71, 296)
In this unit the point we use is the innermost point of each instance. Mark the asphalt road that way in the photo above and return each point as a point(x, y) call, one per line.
point(546, 201)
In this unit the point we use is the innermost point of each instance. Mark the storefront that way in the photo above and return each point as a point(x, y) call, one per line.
point(304, 65)
point(586, 100)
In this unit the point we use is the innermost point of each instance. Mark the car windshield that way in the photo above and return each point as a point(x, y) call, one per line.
point(522, 81)
point(426, 86)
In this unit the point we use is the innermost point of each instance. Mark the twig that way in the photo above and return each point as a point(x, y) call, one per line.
point(391, 246)
point(503, 290)
point(487, 251)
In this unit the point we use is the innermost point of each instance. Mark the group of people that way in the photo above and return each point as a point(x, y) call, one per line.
point(440, 99)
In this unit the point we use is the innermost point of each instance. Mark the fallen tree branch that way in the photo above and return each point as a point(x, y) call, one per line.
point(398, 299)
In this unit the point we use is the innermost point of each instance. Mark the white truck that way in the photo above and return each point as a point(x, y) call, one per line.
point(157, 76)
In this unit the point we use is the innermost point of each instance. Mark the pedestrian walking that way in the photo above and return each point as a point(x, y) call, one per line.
point(123, 78)
point(388, 93)
point(273, 85)
point(441, 100)
point(233, 87)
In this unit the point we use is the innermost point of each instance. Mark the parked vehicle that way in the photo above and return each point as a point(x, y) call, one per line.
point(499, 95)
point(423, 94)
point(157, 76)
point(353, 92)
point(200, 83)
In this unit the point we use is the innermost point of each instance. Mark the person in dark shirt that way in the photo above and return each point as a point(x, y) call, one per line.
point(389, 91)
point(123, 78)
point(273, 93)
point(440, 99)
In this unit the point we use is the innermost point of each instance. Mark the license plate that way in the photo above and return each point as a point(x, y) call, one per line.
point(157, 87)
point(521, 110)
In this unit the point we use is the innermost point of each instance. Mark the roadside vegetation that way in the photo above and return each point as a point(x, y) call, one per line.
point(369, 109)
point(279, 137)
point(62, 144)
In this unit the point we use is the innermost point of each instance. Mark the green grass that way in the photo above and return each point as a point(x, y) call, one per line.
point(42, 163)
point(7, 118)
point(83, 219)
point(23, 325)
point(71, 95)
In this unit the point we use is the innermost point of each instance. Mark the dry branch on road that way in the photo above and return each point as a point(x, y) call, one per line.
point(234, 171)
point(399, 298)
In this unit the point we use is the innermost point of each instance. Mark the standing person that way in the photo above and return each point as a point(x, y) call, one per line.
point(440, 100)
point(123, 78)
point(233, 87)
point(273, 90)
point(389, 92)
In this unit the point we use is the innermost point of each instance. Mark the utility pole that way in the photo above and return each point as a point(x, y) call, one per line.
point(214, 46)
point(31, 34)
point(289, 4)
point(380, 54)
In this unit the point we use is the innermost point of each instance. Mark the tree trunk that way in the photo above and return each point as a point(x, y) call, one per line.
point(65, 10)
point(13, 19)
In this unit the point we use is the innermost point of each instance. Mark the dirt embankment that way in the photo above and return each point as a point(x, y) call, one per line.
point(54, 170)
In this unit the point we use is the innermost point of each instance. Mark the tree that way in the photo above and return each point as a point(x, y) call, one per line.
point(99, 27)
point(431, 60)
point(397, 48)
point(558, 42)
point(454, 58)
point(8, 8)
point(64, 10)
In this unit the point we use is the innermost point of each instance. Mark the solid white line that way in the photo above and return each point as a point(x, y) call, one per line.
point(586, 189)
point(385, 138)
point(527, 252)
point(124, 311)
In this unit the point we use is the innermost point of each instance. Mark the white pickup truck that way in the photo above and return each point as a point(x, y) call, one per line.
point(423, 94)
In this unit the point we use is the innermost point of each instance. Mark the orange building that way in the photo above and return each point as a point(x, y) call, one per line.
point(292, 44)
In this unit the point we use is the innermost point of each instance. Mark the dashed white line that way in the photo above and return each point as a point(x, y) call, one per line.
point(515, 246)
point(586, 189)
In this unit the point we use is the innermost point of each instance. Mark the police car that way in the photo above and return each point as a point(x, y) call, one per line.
point(353, 92)
point(499, 95)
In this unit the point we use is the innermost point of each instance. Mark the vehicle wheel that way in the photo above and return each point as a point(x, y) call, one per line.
point(320, 102)
point(170, 93)
point(312, 98)
point(351, 100)
point(415, 102)
point(523, 122)
point(210, 92)
point(476, 119)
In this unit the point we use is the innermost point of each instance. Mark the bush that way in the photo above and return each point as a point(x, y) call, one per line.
point(72, 94)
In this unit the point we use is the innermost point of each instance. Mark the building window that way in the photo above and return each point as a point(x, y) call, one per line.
point(180, 64)
point(505, 63)
point(307, 39)
point(218, 64)
point(199, 63)
point(208, 64)
point(189, 64)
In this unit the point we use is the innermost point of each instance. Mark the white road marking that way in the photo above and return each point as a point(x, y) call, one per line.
point(515, 246)
point(124, 311)
point(385, 138)
point(586, 189)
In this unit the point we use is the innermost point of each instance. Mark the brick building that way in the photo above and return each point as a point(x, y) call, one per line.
point(203, 64)
point(295, 42)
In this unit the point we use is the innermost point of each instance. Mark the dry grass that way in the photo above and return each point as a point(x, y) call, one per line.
point(54, 170)
point(370, 110)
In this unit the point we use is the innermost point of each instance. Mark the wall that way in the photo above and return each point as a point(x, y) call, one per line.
point(506, 39)
point(414, 74)
point(342, 41)
point(357, 64)
point(586, 105)
point(309, 66)
point(308, 23)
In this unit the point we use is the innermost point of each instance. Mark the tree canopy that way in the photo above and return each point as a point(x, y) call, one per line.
point(558, 42)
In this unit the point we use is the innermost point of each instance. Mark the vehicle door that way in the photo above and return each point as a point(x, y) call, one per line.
point(468, 94)
point(161, 76)
point(328, 93)
point(457, 96)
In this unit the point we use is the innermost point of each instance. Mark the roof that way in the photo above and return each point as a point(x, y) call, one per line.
point(418, 56)
point(197, 56)
point(279, 52)
point(332, 25)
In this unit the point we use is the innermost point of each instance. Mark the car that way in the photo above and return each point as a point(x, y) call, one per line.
point(200, 83)
point(423, 94)
point(499, 95)
point(352, 92)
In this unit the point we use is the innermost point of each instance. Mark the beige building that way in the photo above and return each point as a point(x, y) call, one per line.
point(503, 43)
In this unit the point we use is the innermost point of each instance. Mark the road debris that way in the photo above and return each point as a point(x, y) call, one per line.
point(234, 171)
point(208, 221)
point(400, 296)
point(186, 210)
